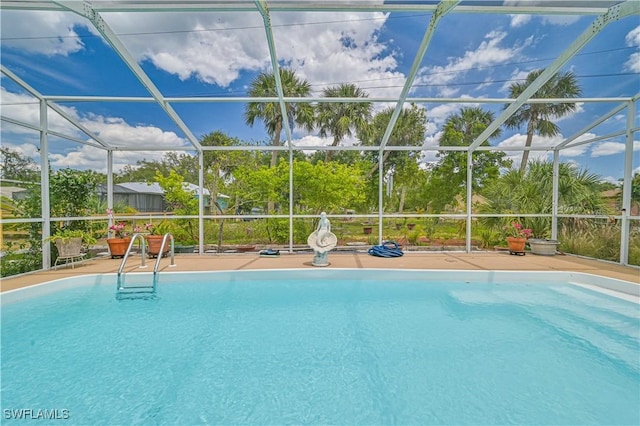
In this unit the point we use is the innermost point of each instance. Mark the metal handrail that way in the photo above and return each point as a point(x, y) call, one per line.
point(164, 242)
point(126, 255)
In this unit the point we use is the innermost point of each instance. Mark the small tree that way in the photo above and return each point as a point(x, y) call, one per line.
point(181, 201)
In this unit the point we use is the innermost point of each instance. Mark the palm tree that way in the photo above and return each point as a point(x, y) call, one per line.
point(448, 177)
point(539, 117)
point(341, 119)
point(409, 130)
point(531, 191)
point(270, 113)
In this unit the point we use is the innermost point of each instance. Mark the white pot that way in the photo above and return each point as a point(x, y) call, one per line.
point(543, 247)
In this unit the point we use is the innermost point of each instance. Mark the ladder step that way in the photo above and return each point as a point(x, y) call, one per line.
point(136, 287)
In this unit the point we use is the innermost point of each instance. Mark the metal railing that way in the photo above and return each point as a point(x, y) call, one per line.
point(164, 242)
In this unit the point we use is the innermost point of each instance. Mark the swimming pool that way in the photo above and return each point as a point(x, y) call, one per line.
point(325, 347)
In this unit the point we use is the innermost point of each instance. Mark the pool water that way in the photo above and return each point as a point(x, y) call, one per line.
point(359, 347)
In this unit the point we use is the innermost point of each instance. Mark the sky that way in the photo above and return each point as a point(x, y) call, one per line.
point(220, 53)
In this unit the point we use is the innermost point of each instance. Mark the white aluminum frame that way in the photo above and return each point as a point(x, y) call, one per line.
point(606, 11)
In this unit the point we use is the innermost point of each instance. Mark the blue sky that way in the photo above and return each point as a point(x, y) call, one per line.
point(218, 54)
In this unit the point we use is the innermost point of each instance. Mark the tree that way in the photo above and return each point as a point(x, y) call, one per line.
point(341, 119)
point(531, 191)
point(448, 177)
point(15, 166)
point(539, 117)
point(70, 194)
point(270, 113)
point(182, 202)
point(184, 164)
point(408, 130)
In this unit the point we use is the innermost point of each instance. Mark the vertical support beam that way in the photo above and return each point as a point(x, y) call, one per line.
point(110, 182)
point(290, 200)
point(469, 198)
point(45, 209)
point(201, 203)
point(626, 188)
point(555, 195)
point(380, 195)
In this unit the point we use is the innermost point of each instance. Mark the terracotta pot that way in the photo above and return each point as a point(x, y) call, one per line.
point(516, 244)
point(153, 244)
point(367, 229)
point(118, 246)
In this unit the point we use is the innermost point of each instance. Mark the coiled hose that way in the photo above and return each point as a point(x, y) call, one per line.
point(386, 249)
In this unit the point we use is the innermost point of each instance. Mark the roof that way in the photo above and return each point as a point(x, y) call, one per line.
point(151, 188)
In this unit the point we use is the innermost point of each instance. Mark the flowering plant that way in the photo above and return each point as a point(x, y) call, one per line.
point(516, 230)
point(118, 230)
point(151, 229)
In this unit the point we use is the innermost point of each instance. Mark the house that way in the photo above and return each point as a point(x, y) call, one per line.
point(145, 197)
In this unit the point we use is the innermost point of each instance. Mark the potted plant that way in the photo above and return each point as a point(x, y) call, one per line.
point(119, 240)
point(155, 236)
point(516, 236)
point(69, 243)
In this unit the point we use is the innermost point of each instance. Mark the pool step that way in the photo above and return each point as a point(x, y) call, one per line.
point(138, 290)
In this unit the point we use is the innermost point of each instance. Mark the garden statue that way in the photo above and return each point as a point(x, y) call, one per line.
point(322, 240)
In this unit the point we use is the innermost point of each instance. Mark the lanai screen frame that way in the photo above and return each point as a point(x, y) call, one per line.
point(605, 12)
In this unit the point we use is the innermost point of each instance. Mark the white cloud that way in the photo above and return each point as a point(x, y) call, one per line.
point(633, 64)
point(118, 133)
point(609, 179)
point(24, 107)
point(488, 53)
point(562, 20)
point(113, 130)
point(520, 20)
point(633, 39)
point(216, 47)
point(611, 148)
point(48, 33)
point(518, 140)
point(86, 157)
point(516, 76)
point(579, 109)
point(203, 46)
point(438, 115)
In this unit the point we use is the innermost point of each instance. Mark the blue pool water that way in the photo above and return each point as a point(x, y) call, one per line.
point(323, 347)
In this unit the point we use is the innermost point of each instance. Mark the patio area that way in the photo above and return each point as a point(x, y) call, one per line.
point(357, 260)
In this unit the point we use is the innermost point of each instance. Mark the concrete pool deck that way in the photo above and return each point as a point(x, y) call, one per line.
point(498, 261)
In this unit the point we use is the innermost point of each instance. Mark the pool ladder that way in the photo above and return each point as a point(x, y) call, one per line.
point(142, 291)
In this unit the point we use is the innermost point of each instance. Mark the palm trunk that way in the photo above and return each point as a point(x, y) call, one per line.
point(274, 160)
point(527, 143)
point(403, 194)
point(328, 154)
point(276, 142)
point(375, 168)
